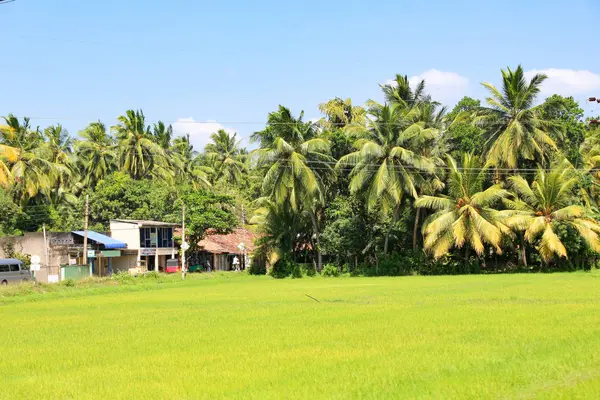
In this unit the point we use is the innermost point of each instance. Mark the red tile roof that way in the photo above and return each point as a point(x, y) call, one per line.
point(219, 243)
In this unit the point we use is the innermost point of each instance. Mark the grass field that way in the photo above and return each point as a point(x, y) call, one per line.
point(503, 336)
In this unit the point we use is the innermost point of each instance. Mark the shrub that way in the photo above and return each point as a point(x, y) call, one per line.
point(283, 268)
point(308, 269)
point(123, 277)
point(68, 282)
point(330, 270)
point(256, 268)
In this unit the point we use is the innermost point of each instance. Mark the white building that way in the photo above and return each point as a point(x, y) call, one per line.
point(148, 242)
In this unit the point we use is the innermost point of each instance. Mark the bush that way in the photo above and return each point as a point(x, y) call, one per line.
point(308, 269)
point(68, 282)
point(330, 270)
point(284, 267)
point(256, 268)
point(123, 277)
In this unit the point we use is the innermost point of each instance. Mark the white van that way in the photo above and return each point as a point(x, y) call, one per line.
point(13, 271)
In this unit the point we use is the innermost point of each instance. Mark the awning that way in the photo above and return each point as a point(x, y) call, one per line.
point(107, 241)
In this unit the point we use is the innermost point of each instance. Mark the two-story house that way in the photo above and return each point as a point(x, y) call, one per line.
point(153, 241)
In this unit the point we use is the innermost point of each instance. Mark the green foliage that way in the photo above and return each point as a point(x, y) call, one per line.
point(285, 267)
point(330, 270)
point(120, 196)
point(207, 210)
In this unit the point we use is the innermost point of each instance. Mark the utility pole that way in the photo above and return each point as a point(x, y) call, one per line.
point(46, 251)
point(85, 230)
point(183, 243)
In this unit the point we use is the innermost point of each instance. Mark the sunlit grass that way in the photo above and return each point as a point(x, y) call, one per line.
point(234, 336)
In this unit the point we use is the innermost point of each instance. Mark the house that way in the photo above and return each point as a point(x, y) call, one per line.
point(66, 248)
point(220, 249)
point(149, 243)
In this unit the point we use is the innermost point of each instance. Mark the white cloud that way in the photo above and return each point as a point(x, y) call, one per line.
point(443, 86)
point(199, 131)
point(567, 82)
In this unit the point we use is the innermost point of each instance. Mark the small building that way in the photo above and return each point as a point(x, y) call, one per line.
point(66, 248)
point(220, 249)
point(149, 243)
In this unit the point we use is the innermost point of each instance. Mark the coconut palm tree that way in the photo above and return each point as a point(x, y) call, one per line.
point(464, 217)
point(97, 153)
point(340, 113)
point(8, 155)
point(162, 135)
point(513, 126)
point(189, 163)
point(31, 169)
point(387, 157)
point(139, 154)
point(60, 145)
point(399, 91)
point(296, 164)
point(538, 208)
point(226, 157)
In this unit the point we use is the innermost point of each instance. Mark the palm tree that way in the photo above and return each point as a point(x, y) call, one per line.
point(189, 163)
point(399, 92)
point(340, 113)
point(386, 158)
point(514, 128)
point(226, 157)
point(97, 153)
point(31, 171)
point(162, 135)
point(60, 146)
point(8, 155)
point(296, 164)
point(464, 217)
point(139, 154)
point(541, 206)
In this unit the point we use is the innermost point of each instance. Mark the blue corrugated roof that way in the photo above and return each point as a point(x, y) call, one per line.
point(107, 241)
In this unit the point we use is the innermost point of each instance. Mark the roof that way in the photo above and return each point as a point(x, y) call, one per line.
point(145, 222)
point(228, 243)
point(6, 261)
point(107, 241)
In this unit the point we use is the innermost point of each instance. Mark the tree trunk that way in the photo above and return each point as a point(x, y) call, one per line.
point(523, 251)
point(389, 232)
point(313, 217)
point(416, 229)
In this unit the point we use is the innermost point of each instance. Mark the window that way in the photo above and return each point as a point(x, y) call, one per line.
point(156, 237)
point(4, 268)
point(15, 268)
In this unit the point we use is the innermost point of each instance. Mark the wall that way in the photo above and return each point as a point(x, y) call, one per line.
point(32, 243)
point(127, 232)
point(124, 262)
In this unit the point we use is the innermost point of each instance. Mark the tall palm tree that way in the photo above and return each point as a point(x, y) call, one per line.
point(190, 164)
point(139, 154)
point(226, 157)
point(296, 164)
point(340, 113)
point(464, 217)
point(387, 157)
point(400, 92)
point(60, 146)
point(97, 153)
point(162, 134)
point(513, 126)
point(549, 201)
point(8, 155)
point(31, 169)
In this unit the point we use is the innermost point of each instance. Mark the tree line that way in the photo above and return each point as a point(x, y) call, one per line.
point(394, 187)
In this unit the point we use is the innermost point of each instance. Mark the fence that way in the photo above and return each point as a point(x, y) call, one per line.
point(75, 272)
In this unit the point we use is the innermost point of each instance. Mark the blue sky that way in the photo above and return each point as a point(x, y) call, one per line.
point(74, 61)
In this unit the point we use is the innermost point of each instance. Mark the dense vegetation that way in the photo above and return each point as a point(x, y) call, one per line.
point(396, 187)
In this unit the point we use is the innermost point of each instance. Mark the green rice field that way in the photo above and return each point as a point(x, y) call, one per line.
point(529, 336)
